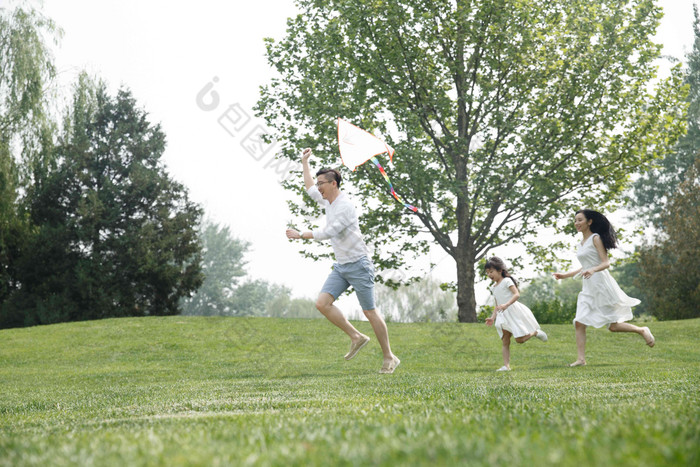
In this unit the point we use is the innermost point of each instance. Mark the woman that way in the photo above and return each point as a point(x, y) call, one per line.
point(601, 301)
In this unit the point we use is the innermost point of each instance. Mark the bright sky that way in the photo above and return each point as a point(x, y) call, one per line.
point(166, 52)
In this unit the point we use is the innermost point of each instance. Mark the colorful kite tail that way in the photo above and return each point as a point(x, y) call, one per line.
point(393, 192)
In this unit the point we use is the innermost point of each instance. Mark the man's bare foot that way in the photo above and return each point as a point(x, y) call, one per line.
point(390, 365)
point(578, 363)
point(356, 345)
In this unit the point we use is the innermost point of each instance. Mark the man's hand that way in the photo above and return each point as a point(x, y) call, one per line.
point(293, 234)
point(308, 180)
point(305, 154)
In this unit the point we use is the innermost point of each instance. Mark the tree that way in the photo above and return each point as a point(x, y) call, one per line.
point(551, 301)
point(115, 235)
point(546, 288)
point(670, 267)
point(653, 189)
point(420, 301)
point(26, 65)
point(284, 306)
point(222, 266)
point(221, 294)
point(260, 298)
point(506, 115)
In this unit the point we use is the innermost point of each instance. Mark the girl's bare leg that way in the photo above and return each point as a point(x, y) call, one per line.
point(523, 339)
point(506, 348)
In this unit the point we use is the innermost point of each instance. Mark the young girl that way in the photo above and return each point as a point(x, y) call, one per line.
point(601, 300)
point(511, 317)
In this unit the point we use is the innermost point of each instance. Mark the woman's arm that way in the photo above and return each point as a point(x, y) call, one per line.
point(602, 254)
point(564, 275)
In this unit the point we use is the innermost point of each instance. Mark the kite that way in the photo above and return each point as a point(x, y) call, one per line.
point(357, 146)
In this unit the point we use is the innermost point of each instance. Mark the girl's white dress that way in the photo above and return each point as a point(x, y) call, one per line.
point(601, 300)
point(517, 318)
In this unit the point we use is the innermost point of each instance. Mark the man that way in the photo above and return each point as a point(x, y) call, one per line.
point(353, 266)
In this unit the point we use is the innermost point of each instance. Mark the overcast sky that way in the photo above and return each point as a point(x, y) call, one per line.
point(166, 52)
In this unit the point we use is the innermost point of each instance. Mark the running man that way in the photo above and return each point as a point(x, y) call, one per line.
point(353, 266)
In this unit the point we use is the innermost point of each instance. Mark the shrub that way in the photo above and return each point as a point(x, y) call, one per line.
point(554, 311)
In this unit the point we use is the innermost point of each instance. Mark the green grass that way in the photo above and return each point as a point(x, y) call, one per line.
point(236, 391)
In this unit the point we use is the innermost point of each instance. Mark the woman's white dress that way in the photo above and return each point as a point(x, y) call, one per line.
point(601, 301)
point(517, 318)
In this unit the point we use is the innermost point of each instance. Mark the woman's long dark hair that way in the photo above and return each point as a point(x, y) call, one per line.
point(499, 265)
point(602, 226)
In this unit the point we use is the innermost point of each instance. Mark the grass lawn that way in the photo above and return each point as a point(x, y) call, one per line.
point(238, 391)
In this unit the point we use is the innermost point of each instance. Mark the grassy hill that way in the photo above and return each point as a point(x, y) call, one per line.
point(237, 391)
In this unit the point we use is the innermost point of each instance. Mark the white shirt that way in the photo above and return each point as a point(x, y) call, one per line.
point(342, 227)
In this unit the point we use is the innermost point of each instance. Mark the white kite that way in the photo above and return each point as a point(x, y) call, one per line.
point(357, 146)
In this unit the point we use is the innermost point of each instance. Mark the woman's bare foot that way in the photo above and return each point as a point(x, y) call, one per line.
point(648, 337)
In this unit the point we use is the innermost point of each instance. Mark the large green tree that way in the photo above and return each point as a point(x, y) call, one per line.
point(26, 66)
point(114, 235)
point(669, 272)
point(506, 115)
point(654, 188)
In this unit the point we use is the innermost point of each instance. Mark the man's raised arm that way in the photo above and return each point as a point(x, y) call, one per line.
point(308, 180)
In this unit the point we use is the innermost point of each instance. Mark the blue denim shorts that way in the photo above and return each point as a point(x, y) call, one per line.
point(359, 275)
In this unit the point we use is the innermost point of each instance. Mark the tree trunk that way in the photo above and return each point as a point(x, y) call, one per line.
point(466, 299)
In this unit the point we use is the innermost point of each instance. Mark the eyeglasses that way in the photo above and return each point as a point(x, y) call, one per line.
point(318, 184)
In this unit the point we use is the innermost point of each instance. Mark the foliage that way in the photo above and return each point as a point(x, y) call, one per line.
point(653, 189)
point(544, 288)
point(668, 195)
point(222, 294)
point(284, 306)
point(539, 289)
point(222, 267)
point(420, 301)
point(485, 311)
point(506, 115)
point(253, 297)
point(114, 235)
point(262, 298)
point(26, 66)
point(181, 391)
point(670, 267)
point(554, 311)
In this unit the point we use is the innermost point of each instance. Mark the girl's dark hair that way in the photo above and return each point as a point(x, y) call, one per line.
point(499, 265)
point(602, 226)
point(335, 175)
